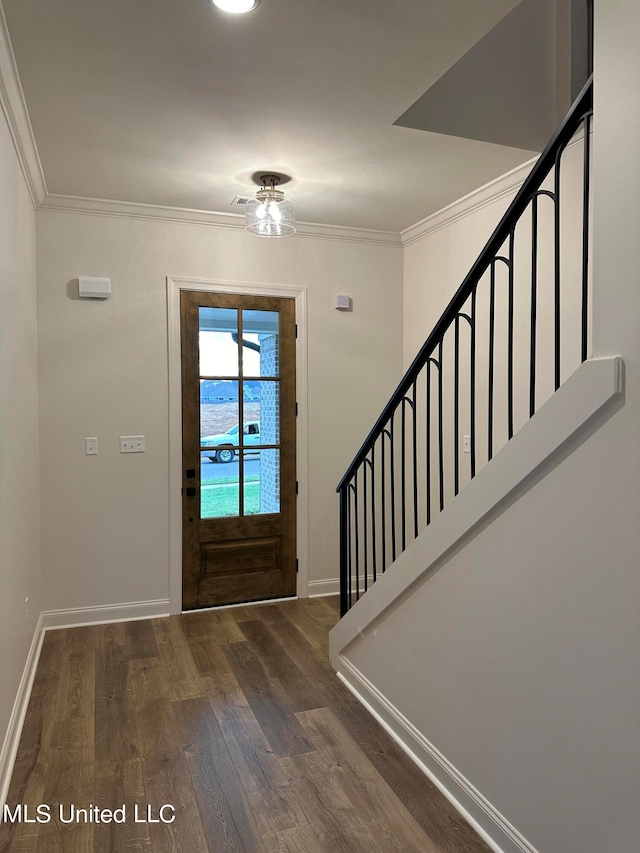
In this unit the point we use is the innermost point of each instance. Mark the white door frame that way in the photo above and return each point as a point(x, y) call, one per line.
point(174, 286)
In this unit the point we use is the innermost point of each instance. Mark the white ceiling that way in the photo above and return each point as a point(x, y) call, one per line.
point(172, 102)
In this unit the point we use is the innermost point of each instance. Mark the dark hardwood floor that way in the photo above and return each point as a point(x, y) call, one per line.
point(233, 717)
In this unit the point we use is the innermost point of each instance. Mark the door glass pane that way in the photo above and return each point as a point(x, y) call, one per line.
point(260, 337)
point(219, 488)
point(261, 411)
point(251, 405)
point(252, 484)
point(262, 484)
point(218, 349)
point(208, 467)
point(218, 419)
point(220, 431)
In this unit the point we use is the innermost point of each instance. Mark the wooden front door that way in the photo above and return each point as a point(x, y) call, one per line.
point(238, 448)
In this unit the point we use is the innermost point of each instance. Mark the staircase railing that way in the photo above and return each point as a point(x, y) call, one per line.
point(483, 366)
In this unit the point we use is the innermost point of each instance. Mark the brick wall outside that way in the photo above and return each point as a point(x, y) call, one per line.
point(269, 419)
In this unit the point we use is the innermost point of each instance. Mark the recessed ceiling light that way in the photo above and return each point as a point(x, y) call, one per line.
point(236, 7)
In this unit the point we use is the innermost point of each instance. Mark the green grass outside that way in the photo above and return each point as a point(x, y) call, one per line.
point(222, 500)
point(249, 478)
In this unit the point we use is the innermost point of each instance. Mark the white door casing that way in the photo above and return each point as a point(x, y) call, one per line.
point(174, 285)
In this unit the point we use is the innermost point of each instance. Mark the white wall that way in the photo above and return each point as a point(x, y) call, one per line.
point(522, 648)
point(103, 372)
point(436, 264)
point(19, 478)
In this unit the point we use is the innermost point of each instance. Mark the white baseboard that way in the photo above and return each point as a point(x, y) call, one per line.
point(331, 586)
point(50, 620)
point(19, 712)
point(499, 834)
point(105, 614)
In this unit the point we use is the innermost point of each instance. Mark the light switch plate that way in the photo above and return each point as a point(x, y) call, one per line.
point(131, 444)
point(91, 446)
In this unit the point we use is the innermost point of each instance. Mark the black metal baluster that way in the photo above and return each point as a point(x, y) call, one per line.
point(534, 305)
point(344, 544)
point(383, 501)
point(349, 488)
point(585, 236)
point(383, 512)
point(556, 271)
point(510, 333)
point(373, 513)
point(456, 407)
point(356, 538)
point(414, 408)
point(461, 316)
point(392, 457)
point(492, 316)
point(365, 525)
point(472, 385)
point(428, 440)
point(403, 476)
point(440, 424)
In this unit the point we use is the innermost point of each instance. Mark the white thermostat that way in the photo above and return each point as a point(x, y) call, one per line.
point(91, 287)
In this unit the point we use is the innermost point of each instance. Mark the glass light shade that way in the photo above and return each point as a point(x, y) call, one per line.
point(270, 214)
point(236, 7)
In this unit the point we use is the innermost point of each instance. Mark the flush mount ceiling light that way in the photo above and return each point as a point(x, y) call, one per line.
point(270, 214)
point(236, 7)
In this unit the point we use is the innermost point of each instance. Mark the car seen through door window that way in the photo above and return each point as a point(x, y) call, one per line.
point(226, 443)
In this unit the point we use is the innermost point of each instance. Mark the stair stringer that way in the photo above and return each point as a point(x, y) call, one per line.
point(596, 386)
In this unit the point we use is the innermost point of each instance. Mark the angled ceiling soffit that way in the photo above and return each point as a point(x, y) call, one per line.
point(503, 90)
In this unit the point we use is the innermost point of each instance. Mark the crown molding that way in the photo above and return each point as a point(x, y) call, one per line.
point(233, 221)
point(15, 110)
point(503, 185)
point(13, 104)
point(500, 187)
